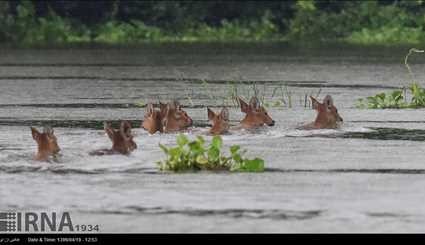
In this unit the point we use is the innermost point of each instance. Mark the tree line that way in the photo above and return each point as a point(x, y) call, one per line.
point(120, 21)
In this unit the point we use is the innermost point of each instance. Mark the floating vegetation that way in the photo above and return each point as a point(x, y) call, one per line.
point(194, 155)
point(398, 98)
point(394, 99)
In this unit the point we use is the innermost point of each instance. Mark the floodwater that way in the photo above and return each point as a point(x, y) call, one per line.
point(367, 176)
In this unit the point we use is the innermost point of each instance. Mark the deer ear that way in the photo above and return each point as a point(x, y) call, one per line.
point(149, 109)
point(162, 106)
point(125, 129)
point(177, 105)
point(35, 134)
point(225, 114)
point(328, 101)
point(167, 111)
point(162, 109)
point(314, 103)
point(171, 106)
point(254, 103)
point(48, 130)
point(108, 130)
point(244, 105)
point(211, 114)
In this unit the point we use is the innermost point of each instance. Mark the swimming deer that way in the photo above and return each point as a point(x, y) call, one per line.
point(47, 143)
point(152, 119)
point(220, 122)
point(256, 115)
point(174, 118)
point(122, 140)
point(327, 115)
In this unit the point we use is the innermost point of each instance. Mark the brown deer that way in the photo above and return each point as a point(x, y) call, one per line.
point(122, 140)
point(220, 122)
point(174, 118)
point(47, 143)
point(152, 119)
point(256, 115)
point(327, 115)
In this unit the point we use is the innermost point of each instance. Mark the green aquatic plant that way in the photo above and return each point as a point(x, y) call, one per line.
point(238, 163)
point(280, 97)
point(418, 95)
point(406, 64)
point(140, 104)
point(397, 98)
point(194, 155)
point(394, 99)
point(277, 96)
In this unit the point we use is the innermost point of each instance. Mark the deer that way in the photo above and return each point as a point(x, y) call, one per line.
point(122, 140)
point(47, 144)
point(220, 121)
point(327, 115)
point(174, 118)
point(152, 119)
point(256, 115)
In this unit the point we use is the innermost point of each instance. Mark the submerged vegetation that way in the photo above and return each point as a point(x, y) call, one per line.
point(276, 95)
point(397, 99)
point(280, 97)
point(194, 155)
point(30, 23)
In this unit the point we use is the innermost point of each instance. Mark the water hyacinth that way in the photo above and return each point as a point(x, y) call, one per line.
point(194, 155)
point(397, 99)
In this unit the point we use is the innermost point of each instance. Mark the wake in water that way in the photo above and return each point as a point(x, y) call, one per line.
point(17, 156)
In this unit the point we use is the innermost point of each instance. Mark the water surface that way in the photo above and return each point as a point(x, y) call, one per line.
point(367, 176)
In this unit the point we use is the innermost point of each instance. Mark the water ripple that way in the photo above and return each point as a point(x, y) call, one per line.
point(275, 214)
point(62, 169)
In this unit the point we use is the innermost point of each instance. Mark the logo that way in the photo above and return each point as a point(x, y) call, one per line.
point(41, 222)
point(7, 222)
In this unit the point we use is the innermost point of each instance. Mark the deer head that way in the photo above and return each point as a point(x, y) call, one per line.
point(47, 143)
point(122, 139)
point(256, 115)
point(175, 118)
point(220, 122)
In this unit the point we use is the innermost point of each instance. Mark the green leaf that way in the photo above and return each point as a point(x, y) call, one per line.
point(163, 148)
point(234, 149)
point(200, 139)
point(217, 142)
point(397, 94)
point(174, 152)
point(182, 140)
point(237, 158)
point(196, 147)
point(255, 165)
point(201, 159)
point(213, 154)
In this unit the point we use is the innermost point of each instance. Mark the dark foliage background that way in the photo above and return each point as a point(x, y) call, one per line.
point(30, 22)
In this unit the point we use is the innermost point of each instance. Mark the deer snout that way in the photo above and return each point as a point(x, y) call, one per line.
point(56, 150)
point(271, 124)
